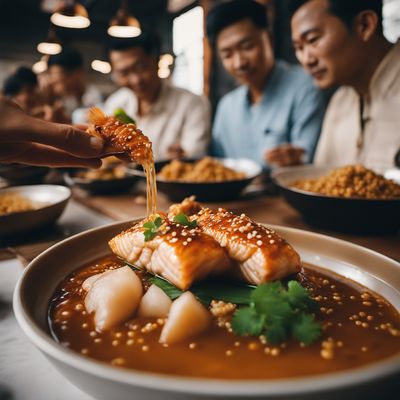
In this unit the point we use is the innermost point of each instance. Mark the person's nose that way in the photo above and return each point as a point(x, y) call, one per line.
point(308, 58)
point(134, 79)
point(239, 61)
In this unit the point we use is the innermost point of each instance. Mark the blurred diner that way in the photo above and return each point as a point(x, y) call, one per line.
point(66, 81)
point(176, 121)
point(274, 117)
point(341, 43)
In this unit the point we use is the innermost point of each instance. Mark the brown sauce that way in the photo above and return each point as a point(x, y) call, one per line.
point(359, 327)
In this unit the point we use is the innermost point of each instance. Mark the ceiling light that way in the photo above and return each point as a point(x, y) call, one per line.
point(101, 66)
point(124, 25)
point(51, 45)
point(40, 66)
point(70, 14)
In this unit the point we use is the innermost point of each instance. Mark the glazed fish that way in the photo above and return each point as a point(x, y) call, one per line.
point(120, 137)
point(179, 254)
point(262, 255)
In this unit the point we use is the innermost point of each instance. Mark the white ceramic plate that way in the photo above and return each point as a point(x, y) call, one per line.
point(40, 279)
point(52, 200)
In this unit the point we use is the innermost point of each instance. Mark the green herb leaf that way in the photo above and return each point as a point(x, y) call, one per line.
point(169, 289)
point(246, 321)
point(299, 297)
point(123, 117)
point(151, 228)
point(283, 312)
point(182, 219)
point(305, 329)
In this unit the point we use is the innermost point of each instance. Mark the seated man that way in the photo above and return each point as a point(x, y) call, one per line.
point(22, 88)
point(175, 120)
point(340, 42)
point(275, 117)
point(67, 82)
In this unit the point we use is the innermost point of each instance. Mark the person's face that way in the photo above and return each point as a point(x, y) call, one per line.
point(137, 70)
point(64, 83)
point(325, 46)
point(246, 52)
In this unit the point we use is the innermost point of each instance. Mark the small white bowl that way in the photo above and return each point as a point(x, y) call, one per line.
point(40, 279)
point(54, 199)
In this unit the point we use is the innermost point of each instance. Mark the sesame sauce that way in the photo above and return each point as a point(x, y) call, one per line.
point(359, 327)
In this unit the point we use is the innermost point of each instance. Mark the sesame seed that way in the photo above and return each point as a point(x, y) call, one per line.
point(118, 361)
point(229, 353)
point(259, 242)
point(130, 342)
point(275, 352)
point(145, 348)
point(115, 343)
point(97, 340)
point(192, 346)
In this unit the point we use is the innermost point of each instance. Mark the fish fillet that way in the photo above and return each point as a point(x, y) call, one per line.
point(177, 253)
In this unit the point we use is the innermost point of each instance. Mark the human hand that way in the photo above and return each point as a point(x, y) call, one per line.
point(28, 140)
point(175, 151)
point(284, 155)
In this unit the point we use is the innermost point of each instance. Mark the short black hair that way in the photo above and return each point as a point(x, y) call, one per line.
point(21, 78)
point(147, 41)
point(69, 59)
point(225, 14)
point(347, 10)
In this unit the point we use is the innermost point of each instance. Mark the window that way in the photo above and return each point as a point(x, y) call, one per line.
point(391, 20)
point(187, 37)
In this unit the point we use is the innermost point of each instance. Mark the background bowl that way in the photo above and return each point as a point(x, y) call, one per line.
point(39, 281)
point(54, 199)
point(209, 191)
point(18, 174)
point(341, 214)
point(102, 186)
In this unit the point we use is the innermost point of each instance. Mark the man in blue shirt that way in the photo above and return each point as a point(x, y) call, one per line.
point(275, 117)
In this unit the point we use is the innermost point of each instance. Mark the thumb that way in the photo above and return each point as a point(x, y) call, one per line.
point(64, 137)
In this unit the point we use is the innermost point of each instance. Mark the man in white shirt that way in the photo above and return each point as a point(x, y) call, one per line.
point(176, 121)
point(341, 42)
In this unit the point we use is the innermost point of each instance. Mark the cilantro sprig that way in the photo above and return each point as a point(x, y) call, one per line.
point(151, 228)
point(279, 313)
point(182, 219)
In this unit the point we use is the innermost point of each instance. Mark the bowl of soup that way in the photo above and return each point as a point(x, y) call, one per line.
point(358, 355)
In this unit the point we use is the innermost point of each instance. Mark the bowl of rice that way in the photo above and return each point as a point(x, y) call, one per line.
point(209, 179)
point(350, 199)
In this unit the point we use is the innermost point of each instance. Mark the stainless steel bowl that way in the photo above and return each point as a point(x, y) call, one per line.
point(53, 199)
point(40, 279)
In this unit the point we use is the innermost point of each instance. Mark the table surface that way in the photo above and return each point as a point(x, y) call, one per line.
point(24, 372)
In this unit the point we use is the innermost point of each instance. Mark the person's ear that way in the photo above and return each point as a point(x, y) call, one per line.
point(366, 25)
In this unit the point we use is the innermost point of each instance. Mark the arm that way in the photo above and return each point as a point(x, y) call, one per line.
point(27, 140)
point(308, 113)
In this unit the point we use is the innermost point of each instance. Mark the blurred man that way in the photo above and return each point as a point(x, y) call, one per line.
point(341, 42)
point(67, 81)
point(22, 87)
point(275, 117)
point(176, 121)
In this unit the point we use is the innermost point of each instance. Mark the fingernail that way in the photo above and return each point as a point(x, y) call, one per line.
point(96, 143)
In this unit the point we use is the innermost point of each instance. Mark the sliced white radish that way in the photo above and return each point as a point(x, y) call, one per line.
point(114, 296)
point(187, 318)
point(155, 303)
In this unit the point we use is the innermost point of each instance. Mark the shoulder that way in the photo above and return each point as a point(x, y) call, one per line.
point(343, 100)
point(232, 98)
point(295, 77)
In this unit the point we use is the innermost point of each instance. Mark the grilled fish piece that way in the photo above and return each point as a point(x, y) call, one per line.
point(261, 253)
point(177, 253)
point(120, 137)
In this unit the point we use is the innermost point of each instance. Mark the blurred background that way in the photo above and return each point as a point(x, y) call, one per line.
point(26, 28)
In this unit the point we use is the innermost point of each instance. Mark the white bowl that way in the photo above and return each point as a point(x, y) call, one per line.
point(40, 279)
point(54, 199)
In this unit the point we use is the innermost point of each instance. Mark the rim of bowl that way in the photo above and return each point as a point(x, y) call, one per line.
point(205, 386)
point(18, 189)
